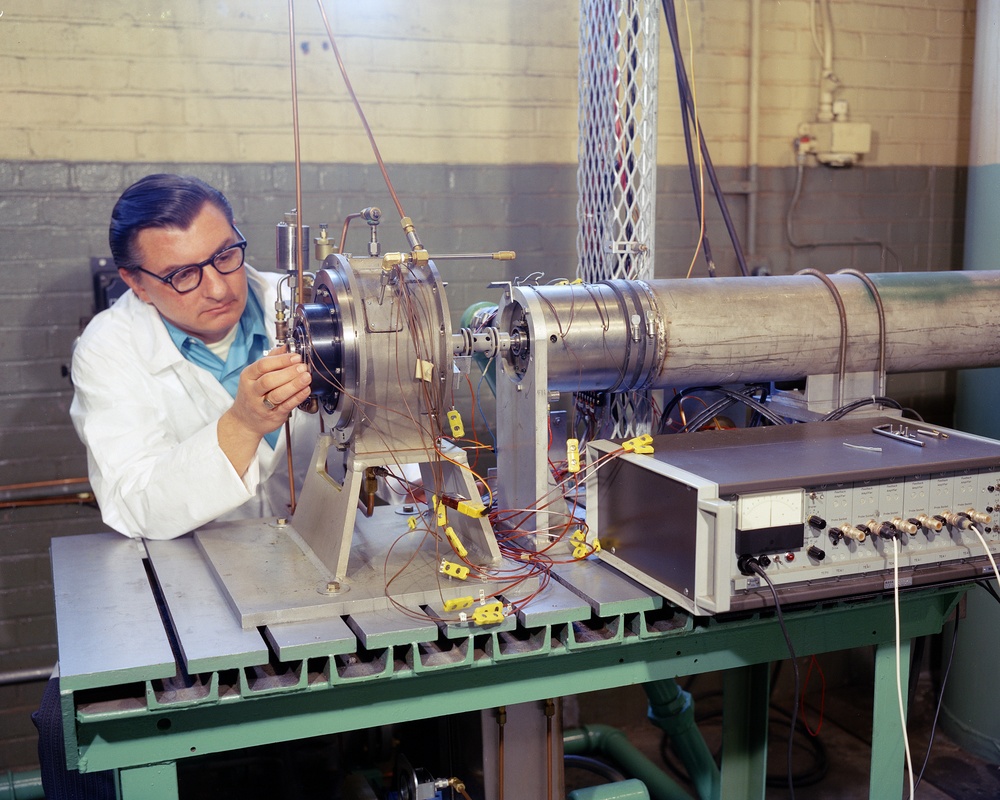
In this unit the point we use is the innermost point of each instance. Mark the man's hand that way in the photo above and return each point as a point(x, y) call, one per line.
point(268, 391)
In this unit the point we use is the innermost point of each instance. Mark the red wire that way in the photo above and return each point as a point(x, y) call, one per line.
point(822, 697)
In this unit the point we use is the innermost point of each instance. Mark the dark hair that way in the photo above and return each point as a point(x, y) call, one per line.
point(158, 201)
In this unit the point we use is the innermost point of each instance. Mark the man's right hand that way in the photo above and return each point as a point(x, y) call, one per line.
point(269, 390)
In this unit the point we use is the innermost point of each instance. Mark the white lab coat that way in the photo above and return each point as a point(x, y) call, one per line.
point(148, 418)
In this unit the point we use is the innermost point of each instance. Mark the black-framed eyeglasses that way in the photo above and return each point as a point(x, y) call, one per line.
point(187, 279)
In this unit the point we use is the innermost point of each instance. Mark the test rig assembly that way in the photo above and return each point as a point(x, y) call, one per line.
point(639, 559)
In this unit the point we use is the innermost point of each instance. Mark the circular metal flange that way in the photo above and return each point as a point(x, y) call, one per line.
point(325, 332)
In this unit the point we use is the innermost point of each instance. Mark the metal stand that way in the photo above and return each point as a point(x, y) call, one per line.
point(592, 630)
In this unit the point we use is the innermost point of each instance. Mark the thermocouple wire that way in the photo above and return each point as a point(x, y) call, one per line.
point(361, 113)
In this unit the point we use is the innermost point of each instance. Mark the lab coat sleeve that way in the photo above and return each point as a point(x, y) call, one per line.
point(154, 458)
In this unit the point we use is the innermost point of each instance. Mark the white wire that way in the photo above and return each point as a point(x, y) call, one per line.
point(989, 555)
point(899, 678)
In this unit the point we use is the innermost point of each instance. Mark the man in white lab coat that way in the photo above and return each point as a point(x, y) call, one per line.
point(180, 393)
point(178, 405)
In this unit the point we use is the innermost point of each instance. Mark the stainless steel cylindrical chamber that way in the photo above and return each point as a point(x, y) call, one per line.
point(626, 335)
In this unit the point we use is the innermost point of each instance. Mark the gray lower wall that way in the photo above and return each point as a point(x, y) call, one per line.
point(53, 219)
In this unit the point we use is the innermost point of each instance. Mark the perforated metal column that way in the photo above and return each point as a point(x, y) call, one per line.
point(616, 178)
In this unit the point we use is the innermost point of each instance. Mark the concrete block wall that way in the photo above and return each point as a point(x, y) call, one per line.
point(474, 107)
point(454, 82)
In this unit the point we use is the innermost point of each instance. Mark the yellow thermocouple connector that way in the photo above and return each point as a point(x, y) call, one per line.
point(467, 507)
point(457, 603)
point(490, 614)
point(455, 421)
point(640, 444)
point(572, 455)
point(453, 570)
point(442, 511)
point(456, 543)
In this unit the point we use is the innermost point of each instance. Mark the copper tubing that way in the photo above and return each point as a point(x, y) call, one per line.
point(291, 471)
point(299, 289)
point(361, 113)
point(12, 487)
point(71, 499)
point(83, 496)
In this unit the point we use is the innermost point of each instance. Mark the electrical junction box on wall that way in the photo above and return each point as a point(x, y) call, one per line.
point(838, 143)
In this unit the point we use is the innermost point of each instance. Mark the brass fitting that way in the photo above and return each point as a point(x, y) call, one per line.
point(855, 534)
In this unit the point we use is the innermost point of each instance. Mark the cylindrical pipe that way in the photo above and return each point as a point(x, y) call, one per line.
point(672, 711)
point(21, 786)
point(624, 335)
point(25, 675)
point(631, 789)
point(614, 744)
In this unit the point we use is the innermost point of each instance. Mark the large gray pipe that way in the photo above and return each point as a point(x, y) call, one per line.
point(623, 335)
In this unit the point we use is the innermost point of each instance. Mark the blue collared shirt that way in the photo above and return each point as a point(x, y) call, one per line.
point(248, 346)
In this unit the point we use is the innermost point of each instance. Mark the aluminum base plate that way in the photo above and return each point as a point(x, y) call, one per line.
point(269, 576)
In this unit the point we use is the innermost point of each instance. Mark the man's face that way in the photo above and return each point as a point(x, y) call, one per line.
point(210, 311)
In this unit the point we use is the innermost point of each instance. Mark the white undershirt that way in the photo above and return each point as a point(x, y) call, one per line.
point(221, 347)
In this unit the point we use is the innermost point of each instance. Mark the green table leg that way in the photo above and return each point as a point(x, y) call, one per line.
point(153, 782)
point(746, 696)
point(888, 763)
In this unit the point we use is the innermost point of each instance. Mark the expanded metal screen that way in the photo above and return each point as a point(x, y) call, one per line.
point(616, 177)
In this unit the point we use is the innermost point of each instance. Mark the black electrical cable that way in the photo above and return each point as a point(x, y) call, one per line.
point(755, 567)
point(746, 397)
point(707, 415)
point(687, 101)
point(847, 408)
point(674, 401)
point(595, 765)
point(730, 398)
point(692, 172)
point(809, 776)
point(937, 711)
point(989, 588)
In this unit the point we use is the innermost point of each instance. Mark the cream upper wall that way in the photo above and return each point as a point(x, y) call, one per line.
point(451, 81)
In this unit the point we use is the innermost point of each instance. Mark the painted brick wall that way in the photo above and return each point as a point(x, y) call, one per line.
point(448, 81)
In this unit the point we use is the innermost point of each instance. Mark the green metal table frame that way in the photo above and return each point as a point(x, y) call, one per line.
point(145, 744)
